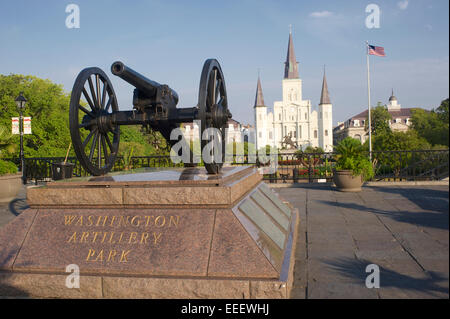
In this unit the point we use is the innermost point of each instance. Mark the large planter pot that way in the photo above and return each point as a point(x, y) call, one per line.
point(346, 182)
point(10, 185)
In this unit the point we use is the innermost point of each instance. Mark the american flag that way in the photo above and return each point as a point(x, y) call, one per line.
point(373, 50)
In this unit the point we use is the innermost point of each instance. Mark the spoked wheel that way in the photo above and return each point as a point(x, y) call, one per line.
point(95, 140)
point(213, 114)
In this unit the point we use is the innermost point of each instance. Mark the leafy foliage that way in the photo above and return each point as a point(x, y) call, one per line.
point(48, 106)
point(379, 120)
point(7, 143)
point(7, 167)
point(432, 126)
point(351, 155)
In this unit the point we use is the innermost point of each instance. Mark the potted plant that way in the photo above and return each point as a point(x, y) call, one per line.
point(10, 180)
point(352, 166)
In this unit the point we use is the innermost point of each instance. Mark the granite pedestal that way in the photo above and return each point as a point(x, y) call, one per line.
point(174, 233)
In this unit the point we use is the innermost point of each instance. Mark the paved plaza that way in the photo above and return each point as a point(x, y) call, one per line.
point(401, 229)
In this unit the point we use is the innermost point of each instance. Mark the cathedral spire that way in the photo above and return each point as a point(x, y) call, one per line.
point(324, 97)
point(259, 99)
point(291, 67)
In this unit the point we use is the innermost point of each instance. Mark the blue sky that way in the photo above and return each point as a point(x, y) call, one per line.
point(168, 41)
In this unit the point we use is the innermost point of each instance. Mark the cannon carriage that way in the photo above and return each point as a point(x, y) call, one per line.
point(95, 118)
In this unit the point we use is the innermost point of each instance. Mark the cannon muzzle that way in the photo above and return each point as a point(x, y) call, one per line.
point(140, 82)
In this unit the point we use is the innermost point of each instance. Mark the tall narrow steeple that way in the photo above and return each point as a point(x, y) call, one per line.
point(259, 98)
point(324, 97)
point(291, 65)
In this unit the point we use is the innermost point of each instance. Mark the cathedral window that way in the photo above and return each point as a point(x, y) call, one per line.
point(326, 132)
point(300, 132)
point(279, 116)
point(315, 133)
point(306, 116)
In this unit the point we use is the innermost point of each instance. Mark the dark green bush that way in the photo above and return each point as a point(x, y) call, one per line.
point(351, 156)
point(7, 167)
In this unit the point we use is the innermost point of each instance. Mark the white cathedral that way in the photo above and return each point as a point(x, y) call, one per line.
point(293, 117)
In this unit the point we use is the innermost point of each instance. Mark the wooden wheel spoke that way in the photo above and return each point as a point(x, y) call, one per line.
point(99, 152)
point(105, 85)
point(97, 82)
point(88, 138)
point(86, 111)
point(88, 99)
point(108, 104)
point(111, 148)
point(105, 150)
point(93, 145)
point(94, 97)
point(217, 92)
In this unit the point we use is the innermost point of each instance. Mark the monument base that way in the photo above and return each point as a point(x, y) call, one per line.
point(177, 233)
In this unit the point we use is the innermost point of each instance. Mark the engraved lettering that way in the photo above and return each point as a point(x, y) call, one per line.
point(90, 254)
point(112, 254)
point(133, 236)
point(133, 221)
point(68, 219)
point(123, 257)
point(144, 238)
point(95, 236)
point(160, 221)
point(148, 220)
point(174, 220)
point(73, 238)
point(84, 237)
point(99, 256)
point(79, 221)
point(157, 237)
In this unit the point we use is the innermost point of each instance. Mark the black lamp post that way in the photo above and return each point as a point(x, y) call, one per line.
point(20, 102)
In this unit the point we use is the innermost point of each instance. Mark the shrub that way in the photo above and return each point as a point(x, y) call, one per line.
point(7, 167)
point(351, 156)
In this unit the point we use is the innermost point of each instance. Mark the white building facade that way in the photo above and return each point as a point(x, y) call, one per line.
point(293, 117)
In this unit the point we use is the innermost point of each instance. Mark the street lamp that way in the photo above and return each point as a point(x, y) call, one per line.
point(20, 102)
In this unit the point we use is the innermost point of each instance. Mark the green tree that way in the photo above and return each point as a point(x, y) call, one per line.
point(379, 118)
point(432, 125)
point(442, 111)
point(398, 141)
point(48, 106)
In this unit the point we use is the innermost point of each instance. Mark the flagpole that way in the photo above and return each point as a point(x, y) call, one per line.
point(368, 95)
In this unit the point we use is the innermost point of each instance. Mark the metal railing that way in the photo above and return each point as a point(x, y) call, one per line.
point(309, 167)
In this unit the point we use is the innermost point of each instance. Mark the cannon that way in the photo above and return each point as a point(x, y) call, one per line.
point(95, 119)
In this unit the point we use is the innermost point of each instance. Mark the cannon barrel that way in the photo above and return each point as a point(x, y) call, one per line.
point(143, 84)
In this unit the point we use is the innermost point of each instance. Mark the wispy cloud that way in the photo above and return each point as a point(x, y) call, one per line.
point(321, 14)
point(403, 4)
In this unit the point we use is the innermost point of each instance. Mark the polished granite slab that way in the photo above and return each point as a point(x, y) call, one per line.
point(155, 231)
